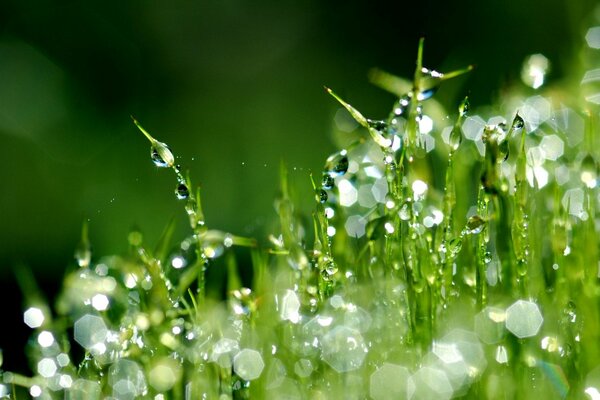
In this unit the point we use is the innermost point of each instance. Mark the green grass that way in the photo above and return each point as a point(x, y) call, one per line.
point(446, 256)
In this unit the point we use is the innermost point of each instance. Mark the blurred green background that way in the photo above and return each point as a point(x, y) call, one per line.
point(232, 86)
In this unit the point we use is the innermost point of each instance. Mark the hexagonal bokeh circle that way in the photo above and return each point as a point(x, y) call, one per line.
point(524, 319)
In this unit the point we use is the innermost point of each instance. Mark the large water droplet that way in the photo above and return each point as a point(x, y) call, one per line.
point(182, 192)
point(337, 164)
point(475, 225)
point(518, 123)
point(331, 268)
point(327, 182)
point(161, 155)
point(455, 139)
point(322, 196)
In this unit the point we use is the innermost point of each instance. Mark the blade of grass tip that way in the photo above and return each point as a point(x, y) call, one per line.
point(164, 242)
point(389, 82)
point(358, 117)
point(419, 68)
point(242, 241)
point(453, 74)
point(141, 128)
point(353, 111)
point(83, 251)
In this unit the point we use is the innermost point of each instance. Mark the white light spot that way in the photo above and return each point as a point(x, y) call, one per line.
point(47, 367)
point(331, 231)
point(178, 262)
point(419, 188)
point(389, 228)
point(425, 124)
point(100, 302)
point(65, 381)
point(329, 212)
point(33, 317)
point(35, 391)
point(45, 339)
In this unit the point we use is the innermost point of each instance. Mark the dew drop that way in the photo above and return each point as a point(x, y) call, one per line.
point(331, 268)
point(327, 182)
point(322, 196)
point(182, 192)
point(337, 164)
point(454, 246)
point(487, 257)
point(464, 106)
point(518, 123)
point(161, 155)
point(475, 225)
point(378, 125)
point(455, 139)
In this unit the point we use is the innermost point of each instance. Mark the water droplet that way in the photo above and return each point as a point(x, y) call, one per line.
point(337, 164)
point(464, 107)
point(518, 123)
point(487, 257)
point(454, 246)
point(455, 139)
point(327, 182)
point(504, 149)
point(331, 268)
point(322, 196)
point(161, 155)
point(475, 225)
point(182, 192)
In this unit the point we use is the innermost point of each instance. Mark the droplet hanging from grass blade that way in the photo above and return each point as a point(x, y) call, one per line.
point(160, 153)
point(475, 225)
point(328, 181)
point(182, 192)
point(337, 164)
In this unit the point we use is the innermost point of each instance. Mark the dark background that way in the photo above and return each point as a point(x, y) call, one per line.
point(232, 86)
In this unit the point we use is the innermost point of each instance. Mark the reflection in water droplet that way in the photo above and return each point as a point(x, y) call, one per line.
point(455, 139)
point(182, 192)
point(337, 164)
point(161, 155)
point(518, 123)
point(322, 196)
point(475, 225)
point(331, 268)
point(328, 181)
